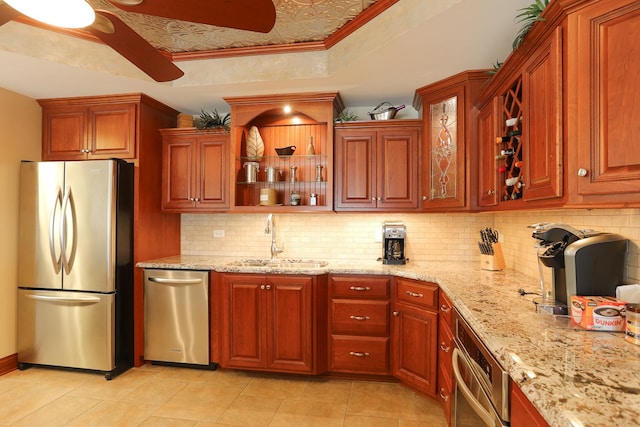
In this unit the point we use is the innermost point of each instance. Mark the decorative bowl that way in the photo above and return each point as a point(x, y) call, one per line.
point(286, 151)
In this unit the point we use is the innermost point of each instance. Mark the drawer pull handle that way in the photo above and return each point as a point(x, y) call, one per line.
point(360, 288)
point(414, 294)
point(445, 309)
point(359, 317)
point(444, 347)
point(443, 396)
point(358, 354)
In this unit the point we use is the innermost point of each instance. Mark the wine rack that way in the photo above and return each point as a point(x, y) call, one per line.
point(509, 145)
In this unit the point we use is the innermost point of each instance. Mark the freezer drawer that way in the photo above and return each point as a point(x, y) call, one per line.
point(68, 329)
point(176, 316)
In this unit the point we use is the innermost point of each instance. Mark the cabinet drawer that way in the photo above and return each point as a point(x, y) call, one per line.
point(360, 317)
point(445, 387)
point(364, 355)
point(422, 294)
point(446, 307)
point(445, 346)
point(360, 287)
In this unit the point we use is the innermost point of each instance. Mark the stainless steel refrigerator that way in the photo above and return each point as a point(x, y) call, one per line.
point(75, 265)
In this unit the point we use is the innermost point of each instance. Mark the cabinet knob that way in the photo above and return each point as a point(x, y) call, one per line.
point(444, 347)
point(196, 199)
point(268, 287)
point(491, 192)
point(359, 317)
point(358, 354)
point(373, 199)
point(425, 198)
point(379, 198)
point(583, 172)
point(396, 313)
point(443, 396)
point(262, 287)
point(445, 308)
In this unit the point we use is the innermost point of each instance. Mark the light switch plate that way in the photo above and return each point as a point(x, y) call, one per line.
point(218, 233)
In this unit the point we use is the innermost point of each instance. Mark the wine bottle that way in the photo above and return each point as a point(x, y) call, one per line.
point(508, 152)
point(514, 133)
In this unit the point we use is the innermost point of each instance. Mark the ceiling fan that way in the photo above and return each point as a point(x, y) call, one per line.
point(250, 15)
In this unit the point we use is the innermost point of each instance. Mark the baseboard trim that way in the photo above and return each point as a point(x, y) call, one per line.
point(8, 364)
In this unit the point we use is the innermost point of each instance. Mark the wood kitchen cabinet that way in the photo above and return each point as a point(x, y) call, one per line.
point(603, 52)
point(90, 128)
point(273, 323)
point(445, 350)
point(449, 115)
point(194, 170)
point(282, 121)
point(522, 412)
point(415, 328)
point(377, 165)
point(521, 162)
point(359, 324)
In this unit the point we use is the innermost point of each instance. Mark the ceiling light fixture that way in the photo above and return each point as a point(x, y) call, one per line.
point(61, 13)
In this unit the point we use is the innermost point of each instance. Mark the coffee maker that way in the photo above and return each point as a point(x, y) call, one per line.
point(583, 262)
point(393, 240)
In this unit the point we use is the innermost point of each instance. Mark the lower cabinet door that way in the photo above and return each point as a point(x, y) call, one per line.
point(362, 355)
point(415, 349)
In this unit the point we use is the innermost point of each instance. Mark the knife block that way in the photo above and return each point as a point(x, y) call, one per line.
point(493, 262)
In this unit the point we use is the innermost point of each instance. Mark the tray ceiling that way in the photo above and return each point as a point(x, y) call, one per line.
point(297, 21)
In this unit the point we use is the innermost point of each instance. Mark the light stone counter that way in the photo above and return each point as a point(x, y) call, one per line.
point(574, 377)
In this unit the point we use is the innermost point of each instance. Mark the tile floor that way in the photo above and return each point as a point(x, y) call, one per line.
point(167, 396)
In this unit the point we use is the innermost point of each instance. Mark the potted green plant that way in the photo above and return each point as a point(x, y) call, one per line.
point(528, 16)
point(213, 120)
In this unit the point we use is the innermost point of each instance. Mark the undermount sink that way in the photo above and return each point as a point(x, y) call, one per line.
point(289, 263)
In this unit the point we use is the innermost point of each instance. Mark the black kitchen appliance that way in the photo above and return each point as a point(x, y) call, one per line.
point(584, 262)
point(393, 243)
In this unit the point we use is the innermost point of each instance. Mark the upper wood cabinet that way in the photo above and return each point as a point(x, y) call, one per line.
point(195, 170)
point(377, 165)
point(449, 140)
point(520, 130)
point(90, 128)
point(603, 50)
point(488, 173)
point(281, 121)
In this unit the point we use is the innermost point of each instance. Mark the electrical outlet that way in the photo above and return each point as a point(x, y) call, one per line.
point(218, 233)
point(378, 236)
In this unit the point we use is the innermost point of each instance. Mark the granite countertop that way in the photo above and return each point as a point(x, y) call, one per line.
point(573, 377)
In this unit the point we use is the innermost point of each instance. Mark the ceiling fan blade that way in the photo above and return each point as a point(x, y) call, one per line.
point(7, 13)
point(251, 15)
point(121, 38)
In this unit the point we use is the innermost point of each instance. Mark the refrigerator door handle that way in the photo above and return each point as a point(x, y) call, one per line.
point(164, 281)
point(86, 300)
point(68, 205)
point(55, 259)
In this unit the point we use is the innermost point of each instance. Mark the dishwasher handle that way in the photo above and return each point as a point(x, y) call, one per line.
point(168, 281)
point(464, 388)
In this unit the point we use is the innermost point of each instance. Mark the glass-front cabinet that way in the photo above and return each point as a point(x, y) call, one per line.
point(283, 151)
point(448, 112)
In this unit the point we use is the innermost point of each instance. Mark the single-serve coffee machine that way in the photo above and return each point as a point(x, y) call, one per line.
point(583, 262)
point(393, 240)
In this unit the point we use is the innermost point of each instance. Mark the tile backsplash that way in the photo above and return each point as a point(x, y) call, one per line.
point(430, 237)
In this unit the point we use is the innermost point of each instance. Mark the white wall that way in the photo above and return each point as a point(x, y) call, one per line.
point(20, 138)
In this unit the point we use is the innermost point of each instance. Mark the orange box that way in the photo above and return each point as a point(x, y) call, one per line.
point(598, 313)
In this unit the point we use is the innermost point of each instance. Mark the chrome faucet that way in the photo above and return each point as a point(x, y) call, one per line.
point(271, 228)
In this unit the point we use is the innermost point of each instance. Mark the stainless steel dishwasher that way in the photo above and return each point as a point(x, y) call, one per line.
point(176, 316)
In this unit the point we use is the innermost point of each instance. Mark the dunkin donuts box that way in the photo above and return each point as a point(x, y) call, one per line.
point(598, 313)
